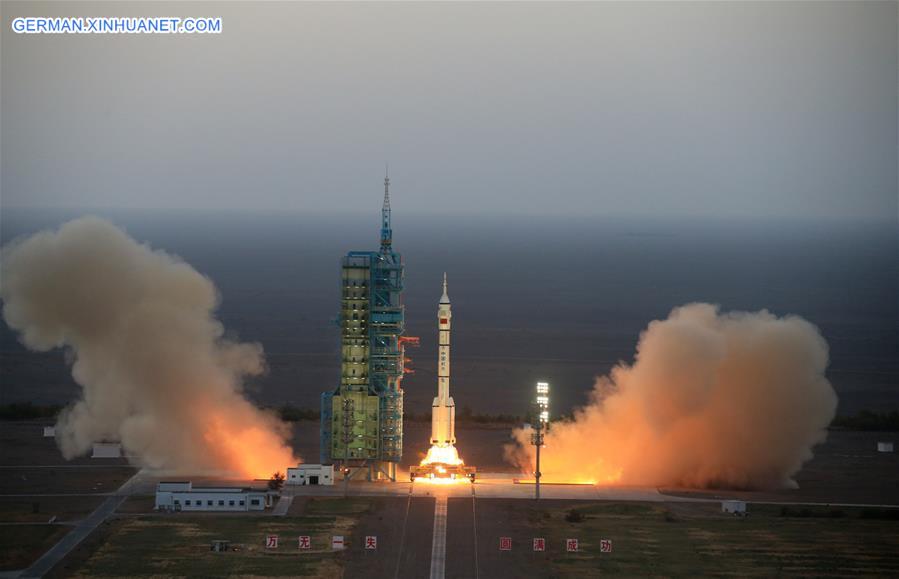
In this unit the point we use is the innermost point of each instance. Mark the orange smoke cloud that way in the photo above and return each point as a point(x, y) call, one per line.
point(712, 399)
point(155, 370)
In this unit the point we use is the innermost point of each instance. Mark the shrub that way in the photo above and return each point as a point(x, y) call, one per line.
point(574, 516)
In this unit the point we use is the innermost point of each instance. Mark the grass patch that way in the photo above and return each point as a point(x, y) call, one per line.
point(338, 506)
point(824, 541)
point(23, 544)
point(179, 544)
point(29, 481)
point(138, 504)
point(574, 516)
point(805, 512)
point(41, 509)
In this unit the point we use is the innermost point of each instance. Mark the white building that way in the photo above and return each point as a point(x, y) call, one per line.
point(311, 474)
point(49, 432)
point(107, 450)
point(183, 496)
point(734, 507)
point(884, 447)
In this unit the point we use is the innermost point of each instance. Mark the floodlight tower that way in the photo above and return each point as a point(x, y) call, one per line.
point(541, 404)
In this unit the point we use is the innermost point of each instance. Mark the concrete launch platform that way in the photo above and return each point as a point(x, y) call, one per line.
point(488, 485)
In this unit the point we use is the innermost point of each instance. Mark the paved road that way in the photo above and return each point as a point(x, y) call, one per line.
point(462, 536)
point(438, 540)
point(283, 505)
point(414, 559)
point(84, 528)
point(498, 487)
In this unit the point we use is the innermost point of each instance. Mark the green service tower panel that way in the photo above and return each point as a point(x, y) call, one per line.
point(362, 419)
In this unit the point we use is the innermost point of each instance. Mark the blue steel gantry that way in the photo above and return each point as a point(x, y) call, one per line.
point(362, 419)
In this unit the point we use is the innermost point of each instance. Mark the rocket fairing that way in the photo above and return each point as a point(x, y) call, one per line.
point(443, 410)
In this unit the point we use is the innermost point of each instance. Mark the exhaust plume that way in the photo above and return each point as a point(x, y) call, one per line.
point(711, 400)
point(155, 370)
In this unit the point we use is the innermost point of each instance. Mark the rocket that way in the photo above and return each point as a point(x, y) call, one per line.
point(443, 410)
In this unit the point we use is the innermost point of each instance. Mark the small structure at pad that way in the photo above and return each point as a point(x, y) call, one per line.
point(885, 446)
point(183, 496)
point(107, 450)
point(311, 474)
point(734, 507)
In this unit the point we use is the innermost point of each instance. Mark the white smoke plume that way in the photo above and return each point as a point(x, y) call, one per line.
point(155, 370)
point(712, 400)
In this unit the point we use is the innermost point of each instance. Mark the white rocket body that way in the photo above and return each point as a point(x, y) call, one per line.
point(443, 410)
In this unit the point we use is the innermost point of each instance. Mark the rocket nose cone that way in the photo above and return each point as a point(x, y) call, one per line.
point(444, 299)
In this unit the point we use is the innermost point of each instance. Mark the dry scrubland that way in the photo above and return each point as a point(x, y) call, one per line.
point(664, 540)
point(43, 485)
point(659, 540)
point(673, 540)
point(23, 544)
point(178, 544)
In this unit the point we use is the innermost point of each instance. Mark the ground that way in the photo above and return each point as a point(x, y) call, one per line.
point(846, 468)
point(23, 544)
point(658, 537)
point(404, 528)
point(38, 485)
point(25, 532)
point(668, 540)
point(180, 545)
point(40, 509)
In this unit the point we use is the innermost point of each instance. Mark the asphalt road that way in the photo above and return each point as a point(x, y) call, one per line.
point(462, 537)
point(438, 539)
point(404, 527)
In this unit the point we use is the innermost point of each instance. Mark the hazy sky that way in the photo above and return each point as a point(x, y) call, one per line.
point(674, 108)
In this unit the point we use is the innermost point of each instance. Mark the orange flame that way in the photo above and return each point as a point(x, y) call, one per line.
point(254, 451)
point(442, 455)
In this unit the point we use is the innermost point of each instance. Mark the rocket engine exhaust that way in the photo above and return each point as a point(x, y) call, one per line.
point(712, 400)
point(155, 370)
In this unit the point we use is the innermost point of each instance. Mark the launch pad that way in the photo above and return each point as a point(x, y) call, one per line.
point(442, 471)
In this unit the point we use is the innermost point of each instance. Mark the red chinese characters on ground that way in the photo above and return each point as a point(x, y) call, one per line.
point(271, 542)
point(605, 546)
point(305, 542)
point(371, 542)
point(571, 545)
point(505, 543)
point(539, 544)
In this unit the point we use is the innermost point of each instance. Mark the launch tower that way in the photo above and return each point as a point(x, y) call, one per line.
point(362, 419)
